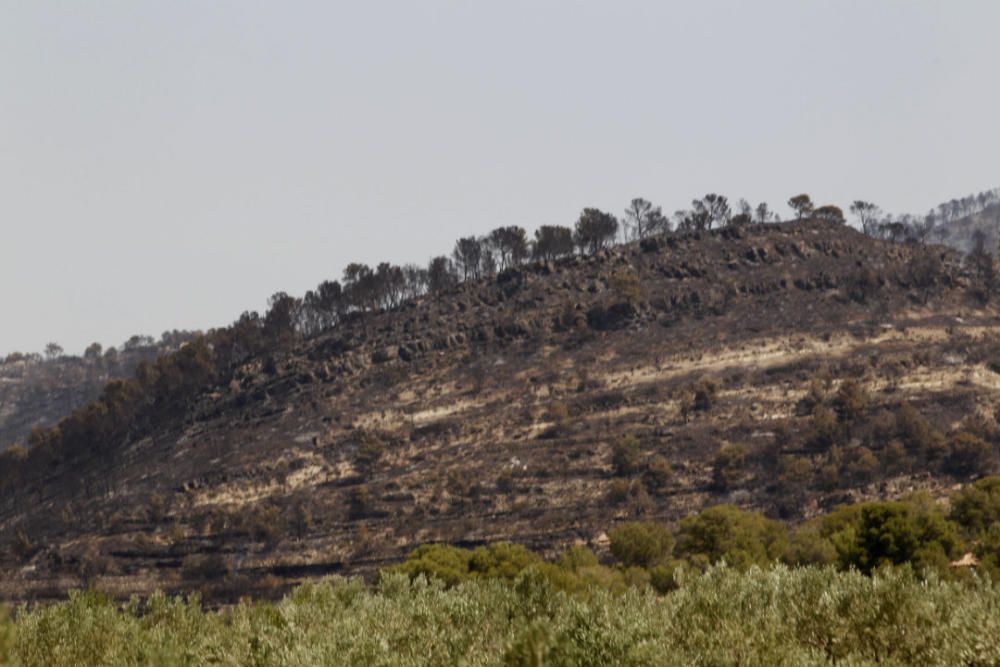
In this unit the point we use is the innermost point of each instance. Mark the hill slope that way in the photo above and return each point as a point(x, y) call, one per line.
point(783, 368)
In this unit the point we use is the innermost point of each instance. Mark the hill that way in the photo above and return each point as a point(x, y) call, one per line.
point(36, 392)
point(784, 368)
point(961, 233)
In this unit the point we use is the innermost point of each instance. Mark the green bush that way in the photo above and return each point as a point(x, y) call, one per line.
point(501, 560)
point(577, 557)
point(641, 543)
point(977, 506)
point(437, 561)
point(872, 535)
point(454, 565)
point(725, 532)
point(988, 551)
point(809, 546)
point(6, 635)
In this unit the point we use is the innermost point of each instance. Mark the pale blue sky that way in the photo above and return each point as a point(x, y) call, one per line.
point(170, 164)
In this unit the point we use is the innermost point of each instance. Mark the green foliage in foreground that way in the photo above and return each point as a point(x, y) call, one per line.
point(776, 616)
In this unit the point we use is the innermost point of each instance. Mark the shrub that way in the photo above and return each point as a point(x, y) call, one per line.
point(863, 284)
point(914, 430)
point(861, 465)
point(658, 475)
point(620, 490)
point(977, 506)
point(988, 551)
point(829, 476)
point(626, 286)
point(894, 457)
point(815, 395)
point(872, 535)
point(771, 453)
point(558, 412)
point(667, 577)
point(577, 557)
point(969, 454)
point(705, 391)
point(359, 502)
point(631, 491)
point(156, 508)
point(464, 484)
point(370, 450)
point(23, 546)
point(300, 518)
point(725, 532)
point(626, 459)
point(851, 401)
point(505, 481)
point(206, 567)
point(502, 560)
point(795, 475)
point(437, 561)
point(264, 524)
point(641, 543)
point(824, 431)
point(728, 465)
point(809, 546)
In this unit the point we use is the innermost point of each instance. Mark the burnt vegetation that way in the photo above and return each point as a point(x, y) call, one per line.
point(536, 388)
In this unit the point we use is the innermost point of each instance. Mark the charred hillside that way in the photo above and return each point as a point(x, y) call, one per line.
point(37, 392)
point(784, 368)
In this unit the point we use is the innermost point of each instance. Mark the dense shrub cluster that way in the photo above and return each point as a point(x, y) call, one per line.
point(778, 616)
point(914, 531)
point(848, 439)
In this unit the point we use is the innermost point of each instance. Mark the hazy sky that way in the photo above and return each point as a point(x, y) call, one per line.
point(170, 164)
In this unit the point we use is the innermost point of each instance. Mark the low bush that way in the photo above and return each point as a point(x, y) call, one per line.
point(725, 532)
point(626, 457)
point(969, 454)
point(728, 466)
point(641, 543)
point(658, 475)
point(977, 506)
point(705, 391)
point(851, 401)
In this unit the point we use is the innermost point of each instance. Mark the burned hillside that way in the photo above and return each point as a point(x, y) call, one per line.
point(783, 368)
